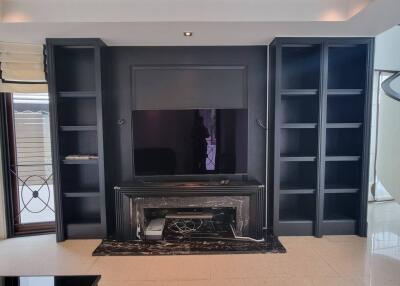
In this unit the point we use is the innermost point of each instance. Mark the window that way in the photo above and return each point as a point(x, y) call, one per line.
point(31, 192)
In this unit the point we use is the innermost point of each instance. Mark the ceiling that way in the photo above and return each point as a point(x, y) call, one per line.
point(179, 10)
point(213, 22)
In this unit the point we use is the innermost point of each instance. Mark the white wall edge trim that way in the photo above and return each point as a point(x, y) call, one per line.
point(3, 229)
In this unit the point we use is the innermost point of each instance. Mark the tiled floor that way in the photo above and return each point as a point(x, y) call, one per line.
point(332, 260)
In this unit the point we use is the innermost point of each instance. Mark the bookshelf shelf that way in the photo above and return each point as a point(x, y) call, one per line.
point(299, 125)
point(79, 128)
point(77, 94)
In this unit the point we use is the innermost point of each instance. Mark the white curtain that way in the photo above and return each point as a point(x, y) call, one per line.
point(22, 68)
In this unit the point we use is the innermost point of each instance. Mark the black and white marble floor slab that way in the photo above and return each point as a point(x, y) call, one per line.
point(188, 247)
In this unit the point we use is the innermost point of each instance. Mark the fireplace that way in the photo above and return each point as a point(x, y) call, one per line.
point(210, 210)
point(177, 224)
point(202, 208)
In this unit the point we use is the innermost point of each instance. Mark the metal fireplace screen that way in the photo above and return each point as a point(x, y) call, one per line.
point(191, 223)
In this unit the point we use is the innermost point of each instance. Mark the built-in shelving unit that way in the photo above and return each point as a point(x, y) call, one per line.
point(76, 93)
point(297, 106)
point(321, 117)
point(344, 189)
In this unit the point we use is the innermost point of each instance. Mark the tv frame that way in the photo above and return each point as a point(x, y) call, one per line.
point(189, 177)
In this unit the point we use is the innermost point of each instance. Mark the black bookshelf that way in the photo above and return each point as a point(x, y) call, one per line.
point(75, 87)
point(321, 108)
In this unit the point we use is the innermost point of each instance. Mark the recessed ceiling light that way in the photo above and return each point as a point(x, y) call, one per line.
point(188, 34)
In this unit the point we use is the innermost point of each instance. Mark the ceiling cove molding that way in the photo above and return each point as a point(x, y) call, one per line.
point(16, 11)
point(377, 17)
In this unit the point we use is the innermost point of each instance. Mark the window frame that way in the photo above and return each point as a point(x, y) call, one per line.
point(8, 149)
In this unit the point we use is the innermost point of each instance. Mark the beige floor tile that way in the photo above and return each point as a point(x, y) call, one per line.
point(192, 267)
point(338, 281)
point(202, 282)
point(238, 282)
point(327, 261)
point(243, 266)
point(288, 281)
point(122, 268)
point(47, 259)
point(137, 283)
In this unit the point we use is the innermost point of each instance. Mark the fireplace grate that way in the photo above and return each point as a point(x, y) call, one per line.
point(181, 229)
point(192, 223)
point(185, 226)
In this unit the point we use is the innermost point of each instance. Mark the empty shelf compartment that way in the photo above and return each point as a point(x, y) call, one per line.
point(76, 65)
point(345, 109)
point(342, 174)
point(344, 142)
point(81, 210)
point(300, 67)
point(347, 67)
point(80, 176)
point(297, 207)
point(298, 175)
point(341, 206)
point(299, 142)
point(299, 109)
point(77, 112)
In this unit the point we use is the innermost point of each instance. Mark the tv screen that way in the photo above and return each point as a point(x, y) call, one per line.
point(190, 142)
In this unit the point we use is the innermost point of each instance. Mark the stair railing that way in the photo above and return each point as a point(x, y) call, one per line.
point(388, 88)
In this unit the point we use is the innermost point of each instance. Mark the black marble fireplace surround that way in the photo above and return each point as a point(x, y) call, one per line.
point(243, 198)
point(246, 197)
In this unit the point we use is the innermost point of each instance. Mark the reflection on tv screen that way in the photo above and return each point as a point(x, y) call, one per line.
point(184, 142)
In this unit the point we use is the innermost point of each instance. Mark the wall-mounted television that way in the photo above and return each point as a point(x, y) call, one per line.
point(190, 142)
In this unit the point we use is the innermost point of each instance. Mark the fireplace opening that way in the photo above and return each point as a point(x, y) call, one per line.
point(189, 223)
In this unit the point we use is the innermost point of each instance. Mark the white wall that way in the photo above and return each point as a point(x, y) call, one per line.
point(2, 202)
point(387, 57)
point(387, 50)
point(1, 10)
point(388, 159)
point(372, 153)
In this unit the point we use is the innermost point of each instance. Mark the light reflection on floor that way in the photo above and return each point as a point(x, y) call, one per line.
point(384, 229)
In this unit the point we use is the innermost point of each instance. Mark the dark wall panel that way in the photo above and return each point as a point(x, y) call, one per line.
point(189, 86)
point(246, 87)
